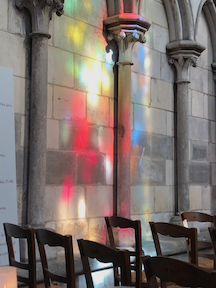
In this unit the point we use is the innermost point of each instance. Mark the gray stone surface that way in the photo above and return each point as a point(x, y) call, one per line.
point(198, 129)
point(151, 145)
point(200, 173)
point(147, 171)
point(19, 166)
point(60, 164)
point(91, 168)
point(79, 136)
point(199, 151)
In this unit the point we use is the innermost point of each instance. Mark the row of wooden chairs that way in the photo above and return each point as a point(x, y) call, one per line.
point(89, 249)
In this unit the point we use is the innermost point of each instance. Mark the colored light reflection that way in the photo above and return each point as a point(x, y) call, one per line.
point(81, 209)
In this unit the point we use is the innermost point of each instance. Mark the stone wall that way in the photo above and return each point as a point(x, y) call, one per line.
point(80, 119)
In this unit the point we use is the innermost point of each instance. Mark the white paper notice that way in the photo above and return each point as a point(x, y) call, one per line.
point(8, 195)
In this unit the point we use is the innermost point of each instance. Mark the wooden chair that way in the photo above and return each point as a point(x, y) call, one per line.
point(104, 254)
point(178, 272)
point(176, 231)
point(138, 277)
point(18, 232)
point(54, 239)
point(200, 217)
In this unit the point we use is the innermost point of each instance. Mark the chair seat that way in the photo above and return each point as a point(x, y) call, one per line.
point(43, 286)
point(133, 279)
point(206, 263)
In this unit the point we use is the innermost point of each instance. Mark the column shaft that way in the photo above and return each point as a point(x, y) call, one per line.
point(124, 140)
point(183, 147)
point(37, 167)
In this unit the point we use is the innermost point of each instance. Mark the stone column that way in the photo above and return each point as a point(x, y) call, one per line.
point(183, 54)
point(121, 30)
point(41, 13)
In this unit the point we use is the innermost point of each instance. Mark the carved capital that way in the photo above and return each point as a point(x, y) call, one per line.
point(41, 13)
point(122, 32)
point(182, 65)
point(184, 54)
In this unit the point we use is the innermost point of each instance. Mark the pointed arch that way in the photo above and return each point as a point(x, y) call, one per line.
point(209, 9)
point(187, 19)
point(173, 19)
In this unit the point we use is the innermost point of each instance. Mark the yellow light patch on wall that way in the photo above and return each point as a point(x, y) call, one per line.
point(76, 32)
point(81, 209)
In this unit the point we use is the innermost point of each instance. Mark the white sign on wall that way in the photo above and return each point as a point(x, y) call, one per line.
point(8, 195)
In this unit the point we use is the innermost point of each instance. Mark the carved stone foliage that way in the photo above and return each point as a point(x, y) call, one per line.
point(122, 32)
point(182, 65)
point(41, 12)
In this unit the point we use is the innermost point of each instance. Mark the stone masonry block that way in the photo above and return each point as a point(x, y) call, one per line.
point(212, 152)
point(61, 167)
point(107, 80)
point(170, 124)
point(162, 95)
point(169, 172)
point(90, 168)
point(106, 138)
point(213, 165)
point(18, 129)
point(77, 202)
point(97, 230)
point(161, 38)
point(64, 74)
point(210, 89)
point(3, 15)
point(213, 132)
point(90, 12)
point(199, 79)
point(78, 228)
point(200, 173)
point(16, 58)
point(111, 116)
point(68, 9)
point(199, 151)
point(98, 109)
point(167, 71)
point(146, 61)
point(88, 73)
point(149, 120)
point(18, 20)
point(164, 199)
point(49, 101)
point(209, 107)
point(197, 104)
point(142, 200)
point(71, 34)
point(52, 134)
point(21, 93)
point(195, 197)
point(147, 171)
point(78, 136)
point(156, 12)
point(99, 201)
point(198, 129)
point(55, 203)
point(154, 146)
point(19, 166)
point(140, 86)
point(206, 197)
point(109, 169)
point(69, 104)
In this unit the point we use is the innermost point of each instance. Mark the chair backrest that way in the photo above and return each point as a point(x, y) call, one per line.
point(212, 231)
point(176, 231)
point(104, 254)
point(15, 231)
point(197, 216)
point(181, 273)
point(119, 222)
point(53, 239)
